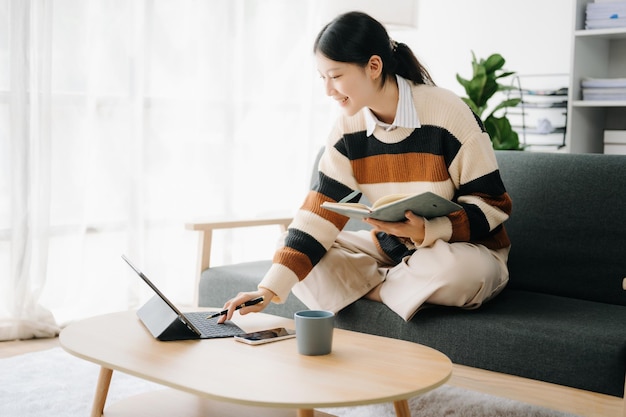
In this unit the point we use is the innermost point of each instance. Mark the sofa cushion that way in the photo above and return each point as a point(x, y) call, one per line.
point(566, 341)
point(568, 224)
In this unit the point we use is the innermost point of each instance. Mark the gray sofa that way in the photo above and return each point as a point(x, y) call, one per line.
point(556, 336)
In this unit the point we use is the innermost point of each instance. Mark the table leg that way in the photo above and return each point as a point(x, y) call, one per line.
point(402, 408)
point(304, 412)
point(102, 389)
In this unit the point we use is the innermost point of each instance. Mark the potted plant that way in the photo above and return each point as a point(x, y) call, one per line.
point(480, 89)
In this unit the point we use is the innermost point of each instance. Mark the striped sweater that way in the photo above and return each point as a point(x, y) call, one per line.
point(450, 155)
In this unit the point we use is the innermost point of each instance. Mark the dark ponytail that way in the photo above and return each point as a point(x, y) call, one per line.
point(354, 37)
point(409, 67)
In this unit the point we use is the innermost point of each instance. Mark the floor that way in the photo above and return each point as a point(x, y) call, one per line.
point(18, 347)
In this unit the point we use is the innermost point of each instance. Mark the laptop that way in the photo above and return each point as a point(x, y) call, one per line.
point(166, 322)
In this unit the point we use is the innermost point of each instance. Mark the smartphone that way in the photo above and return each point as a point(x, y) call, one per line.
point(266, 336)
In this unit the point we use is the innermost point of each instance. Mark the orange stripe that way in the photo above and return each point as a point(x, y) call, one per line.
point(400, 168)
point(461, 233)
point(312, 203)
point(298, 262)
point(503, 201)
point(460, 227)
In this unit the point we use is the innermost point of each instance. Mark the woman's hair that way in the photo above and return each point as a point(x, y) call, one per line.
point(354, 37)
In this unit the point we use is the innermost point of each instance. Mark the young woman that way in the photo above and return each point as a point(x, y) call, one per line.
point(398, 133)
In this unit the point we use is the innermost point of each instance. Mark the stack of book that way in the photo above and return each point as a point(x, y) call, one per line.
point(603, 14)
point(615, 142)
point(613, 89)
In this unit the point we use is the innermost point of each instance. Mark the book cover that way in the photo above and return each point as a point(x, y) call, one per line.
point(392, 208)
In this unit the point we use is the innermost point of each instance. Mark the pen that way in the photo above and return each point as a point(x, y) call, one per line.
point(248, 303)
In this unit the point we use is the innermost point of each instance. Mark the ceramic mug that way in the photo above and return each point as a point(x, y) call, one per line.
point(314, 331)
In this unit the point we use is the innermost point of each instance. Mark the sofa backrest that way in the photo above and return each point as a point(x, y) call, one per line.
point(568, 225)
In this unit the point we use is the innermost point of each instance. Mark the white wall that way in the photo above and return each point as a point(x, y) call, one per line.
point(534, 36)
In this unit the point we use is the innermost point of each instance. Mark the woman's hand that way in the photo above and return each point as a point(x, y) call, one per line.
point(241, 298)
point(412, 228)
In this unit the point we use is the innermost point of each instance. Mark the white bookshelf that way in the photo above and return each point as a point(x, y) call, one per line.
point(596, 53)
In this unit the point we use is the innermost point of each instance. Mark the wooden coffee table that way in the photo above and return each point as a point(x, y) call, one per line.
point(222, 377)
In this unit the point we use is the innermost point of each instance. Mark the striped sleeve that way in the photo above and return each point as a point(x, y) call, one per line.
point(313, 229)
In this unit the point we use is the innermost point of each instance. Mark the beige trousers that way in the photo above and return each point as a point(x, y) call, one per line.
point(451, 274)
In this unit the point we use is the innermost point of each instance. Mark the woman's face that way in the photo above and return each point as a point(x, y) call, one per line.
point(349, 84)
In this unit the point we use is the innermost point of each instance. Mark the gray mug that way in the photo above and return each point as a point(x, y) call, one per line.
point(314, 331)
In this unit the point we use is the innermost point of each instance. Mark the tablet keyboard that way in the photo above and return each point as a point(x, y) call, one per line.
point(209, 327)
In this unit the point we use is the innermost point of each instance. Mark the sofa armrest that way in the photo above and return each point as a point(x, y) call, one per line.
point(206, 235)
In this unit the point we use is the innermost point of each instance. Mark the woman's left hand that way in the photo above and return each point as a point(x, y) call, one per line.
point(412, 228)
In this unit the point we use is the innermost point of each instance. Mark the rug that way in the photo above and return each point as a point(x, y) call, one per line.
point(55, 383)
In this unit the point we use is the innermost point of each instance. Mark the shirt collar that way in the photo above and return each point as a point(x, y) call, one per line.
point(406, 115)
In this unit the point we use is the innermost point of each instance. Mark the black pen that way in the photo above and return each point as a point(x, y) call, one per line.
point(248, 303)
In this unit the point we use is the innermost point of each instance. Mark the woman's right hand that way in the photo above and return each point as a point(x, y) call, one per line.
point(241, 298)
point(413, 227)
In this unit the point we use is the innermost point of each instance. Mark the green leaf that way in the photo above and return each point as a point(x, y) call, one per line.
point(471, 104)
point(489, 89)
point(506, 74)
point(501, 133)
point(464, 82)
point(494, 63)
point(476, 89)
point(506, 87)
point(512, 102)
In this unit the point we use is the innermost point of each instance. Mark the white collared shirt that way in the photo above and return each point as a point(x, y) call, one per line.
point(406, 115)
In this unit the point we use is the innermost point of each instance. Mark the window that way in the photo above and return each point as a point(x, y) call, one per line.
point(126, 119)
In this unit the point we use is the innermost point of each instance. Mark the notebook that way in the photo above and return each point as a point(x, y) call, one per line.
point(166, 322)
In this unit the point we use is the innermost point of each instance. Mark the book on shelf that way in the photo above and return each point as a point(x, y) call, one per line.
point(605, 23)
point(602, 15)
point(615, 136)
point(615, 142)
point(603, 82)
point(603, 88)
point(391, 208)
point(608, 92)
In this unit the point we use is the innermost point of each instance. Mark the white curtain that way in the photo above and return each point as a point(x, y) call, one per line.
point(28, 157)
point(120, 120)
